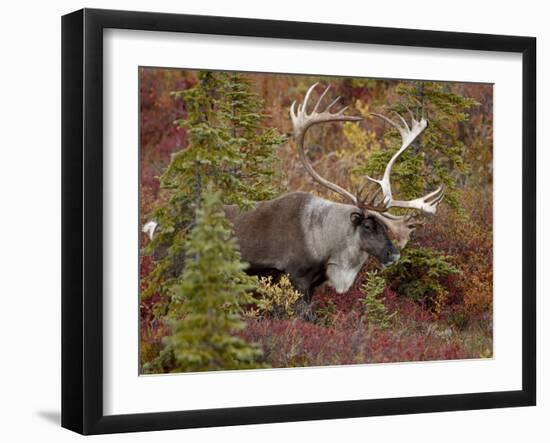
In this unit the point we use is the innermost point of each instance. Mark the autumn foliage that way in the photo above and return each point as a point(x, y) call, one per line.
point(435, 304)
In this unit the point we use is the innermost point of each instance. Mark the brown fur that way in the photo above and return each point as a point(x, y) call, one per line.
point(265, 232)
point(310, 239)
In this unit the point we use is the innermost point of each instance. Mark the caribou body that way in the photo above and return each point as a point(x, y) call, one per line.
point(311, 239)
point(314, 240)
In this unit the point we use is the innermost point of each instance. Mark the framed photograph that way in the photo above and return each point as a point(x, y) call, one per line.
point(271, 221)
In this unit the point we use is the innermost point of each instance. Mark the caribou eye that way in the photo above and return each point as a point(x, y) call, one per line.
point(369, 225)
point(356, 218)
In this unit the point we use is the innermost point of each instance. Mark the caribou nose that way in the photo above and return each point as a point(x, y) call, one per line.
point(393, 258)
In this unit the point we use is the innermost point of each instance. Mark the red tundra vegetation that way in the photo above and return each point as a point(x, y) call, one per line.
point(436, 304)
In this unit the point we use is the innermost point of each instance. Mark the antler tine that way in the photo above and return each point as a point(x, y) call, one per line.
point(302, 121)
point(413, 118)
point(406, 126)
point(306, 98)
point(341, 111)
point(321, 97)
point(360, 190)
point(332, 103)
point(368, 202)
point(436, 195)
point(388, 120)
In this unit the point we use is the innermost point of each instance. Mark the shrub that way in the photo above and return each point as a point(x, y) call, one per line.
point(376, 311)
point(277, 299)
point(419, 275)
point(325, 312)
point(470, 242)
point(294, 343)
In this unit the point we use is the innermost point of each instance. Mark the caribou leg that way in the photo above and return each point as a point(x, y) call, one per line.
point(305, 285)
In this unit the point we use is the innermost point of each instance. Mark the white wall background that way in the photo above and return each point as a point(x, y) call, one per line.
point(30, 218)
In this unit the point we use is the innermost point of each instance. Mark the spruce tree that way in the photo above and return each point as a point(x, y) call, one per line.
point(209, 299)
point(257, 177)
point(229, 147)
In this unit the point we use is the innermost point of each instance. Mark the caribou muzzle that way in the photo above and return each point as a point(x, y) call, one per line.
point(393, 258)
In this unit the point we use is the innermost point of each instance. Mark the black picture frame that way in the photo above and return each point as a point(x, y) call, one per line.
point(82, 219)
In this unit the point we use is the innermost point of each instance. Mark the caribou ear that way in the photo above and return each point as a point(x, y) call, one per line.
point(356, 218)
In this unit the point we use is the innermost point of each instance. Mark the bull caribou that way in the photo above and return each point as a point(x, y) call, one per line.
point(315, 240)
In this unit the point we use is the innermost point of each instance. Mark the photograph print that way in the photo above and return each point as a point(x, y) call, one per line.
point(304, 221)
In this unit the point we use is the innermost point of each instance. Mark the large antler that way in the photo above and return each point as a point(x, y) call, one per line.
point(429, 202)
point(302, 121)
point(401, 226)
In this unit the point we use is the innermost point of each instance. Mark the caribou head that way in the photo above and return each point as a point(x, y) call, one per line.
point(373, 215)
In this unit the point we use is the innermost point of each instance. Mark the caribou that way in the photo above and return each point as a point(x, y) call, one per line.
point(314, 240)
